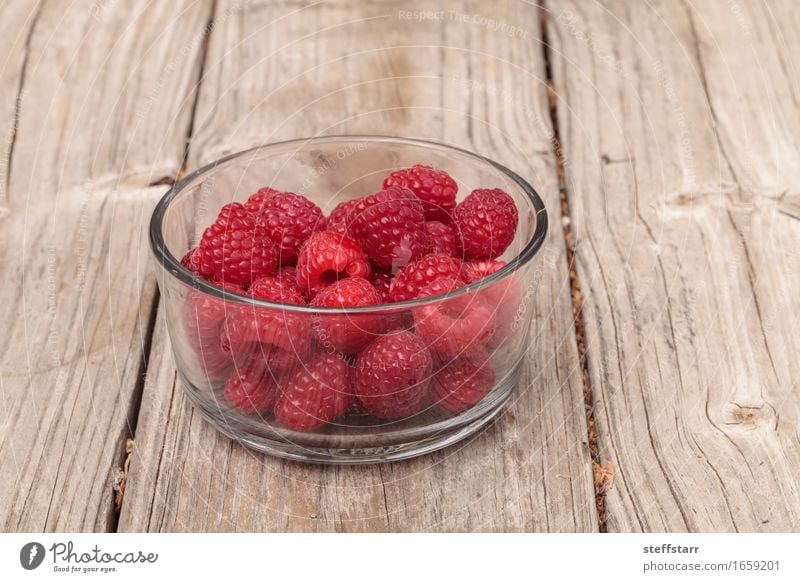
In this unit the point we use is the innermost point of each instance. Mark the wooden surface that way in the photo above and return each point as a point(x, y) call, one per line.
point(679, 130)
point(672, 168)
point(531, 470)
point(84, 141)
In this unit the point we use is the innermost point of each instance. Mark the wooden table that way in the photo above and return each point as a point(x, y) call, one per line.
point(662, 391)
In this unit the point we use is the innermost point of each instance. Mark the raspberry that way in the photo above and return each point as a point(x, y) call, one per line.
point(235, 248)
point(415, 276)
point(382, 281)
point(441, 239)
point(346, 333)
point(390, 321)
point(463, 382)
point(503, 297)
point(390, 225)
point(440, 286)
point(339, 218)
point(204, 316)
point(327, 257)
point(486, 221)
point(288, 276)
point(435, 188)
point(277, 289)
point(252, 389)
point(289, 219)
point(281, 336)
point(315, 394)
point(255, 202)
point(453, 326)
point(477, 270)
point(243, 346)
point(392, 375)
point(350, 292)
point(191, 261)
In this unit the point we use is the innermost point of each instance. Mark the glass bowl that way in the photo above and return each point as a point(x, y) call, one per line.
point(474, 338)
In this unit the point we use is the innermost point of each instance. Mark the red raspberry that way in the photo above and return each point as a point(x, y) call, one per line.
point(456, 325)
point(415, 276)
point(486, 221)
point(346, 333)
point(390, 225)
point(463, 382)
point(256, 201)
point(504, 297)
point(241, 351)
point(289, 219)
point(392, 374)
point(191, 261)
point(390, 321)
point(435, 188)
point(477, 270)
point(441, 239)
point(281, 336)
point(204, 316)
point(339, 218)
point(235, 248)
point(327, 257)
point(277, 289)
point(440, 286)
point(382, 281)
point(288, 276)
point(252, 389)
point(315, 394)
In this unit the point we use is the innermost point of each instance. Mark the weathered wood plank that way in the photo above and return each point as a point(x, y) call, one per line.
point(18, 21)
point(279, 70)
point(679, 123)
point(102, 111)
point(107, 94)
point(76, 314)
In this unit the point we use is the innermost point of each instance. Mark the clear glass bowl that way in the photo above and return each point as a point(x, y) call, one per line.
point(329, 170)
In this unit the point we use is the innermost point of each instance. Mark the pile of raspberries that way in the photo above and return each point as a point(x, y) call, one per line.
point(409, 240)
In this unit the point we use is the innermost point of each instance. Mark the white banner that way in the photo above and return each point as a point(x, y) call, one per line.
point(400, 557)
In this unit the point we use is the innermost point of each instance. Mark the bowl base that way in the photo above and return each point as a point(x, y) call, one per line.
point(417, 442)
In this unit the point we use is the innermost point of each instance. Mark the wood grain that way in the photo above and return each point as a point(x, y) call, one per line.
point(278, 70)
point(98, 113)
point(679, 124)
point(19, 19)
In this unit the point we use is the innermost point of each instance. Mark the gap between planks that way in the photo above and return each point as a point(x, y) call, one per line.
point(128, 442)
point(134, 405)
point(602, 473)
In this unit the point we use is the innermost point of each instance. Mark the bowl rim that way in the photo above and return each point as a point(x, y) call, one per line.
point(170, 263)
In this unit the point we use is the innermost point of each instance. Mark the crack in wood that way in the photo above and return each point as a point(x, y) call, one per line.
point(5, 206)
point(603, 473)
point(207, 31)
point(163, 181)
point(118, 488)
point(120, 474)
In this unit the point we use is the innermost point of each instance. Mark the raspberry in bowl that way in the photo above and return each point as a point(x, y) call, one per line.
point(349, 299)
